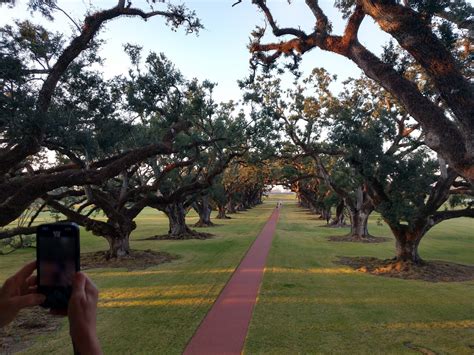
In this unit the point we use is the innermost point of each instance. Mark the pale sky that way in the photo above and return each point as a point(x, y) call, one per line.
point(220, 52)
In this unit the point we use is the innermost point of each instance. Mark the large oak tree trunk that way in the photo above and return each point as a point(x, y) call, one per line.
point(339, 220)
point(119, 240)
point(359, 219)
point(230, 207)
point(176, 214)
point(222, 212)
point(325, 214)
point(119, 246)
point(407, 241)
point(204, 211)
point(359, 210)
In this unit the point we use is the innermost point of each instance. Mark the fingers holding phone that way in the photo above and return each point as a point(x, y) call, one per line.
point(18, 292)
point(82, 314)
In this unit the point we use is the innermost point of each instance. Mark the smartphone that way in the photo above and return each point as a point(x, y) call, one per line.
point(57, 261)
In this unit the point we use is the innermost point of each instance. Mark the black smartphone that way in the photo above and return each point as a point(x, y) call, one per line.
point(57, 261)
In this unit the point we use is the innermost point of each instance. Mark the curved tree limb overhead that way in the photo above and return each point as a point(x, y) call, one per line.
point(17, 193)
point(452, 139)
point(12, 156)
point(415, 36)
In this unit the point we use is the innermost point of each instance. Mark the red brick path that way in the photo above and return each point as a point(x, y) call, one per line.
point(224, 328)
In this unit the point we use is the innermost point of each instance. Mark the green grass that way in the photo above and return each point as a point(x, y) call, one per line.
point(158, 309)
point(308, 304)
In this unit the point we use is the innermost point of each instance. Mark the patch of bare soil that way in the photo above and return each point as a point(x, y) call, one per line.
point(136, 260)
point(355, 239)
point(330, 225)
point(30, 323)
point(193, 235)
point(432, 271)
point(204, 225)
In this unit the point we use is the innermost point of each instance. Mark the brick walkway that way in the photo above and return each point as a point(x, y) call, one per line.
point(225, 327)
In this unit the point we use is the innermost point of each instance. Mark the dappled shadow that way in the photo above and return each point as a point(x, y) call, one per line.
point(432, 271)
point(157, 296)
point(319, 270)
point(155, 302)
point(160, 272)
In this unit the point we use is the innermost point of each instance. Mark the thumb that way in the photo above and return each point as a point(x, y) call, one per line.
point(30, 300)
point(79, 285)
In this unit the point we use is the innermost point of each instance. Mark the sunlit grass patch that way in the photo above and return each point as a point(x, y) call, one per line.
point(156, 310)
point(308, 304)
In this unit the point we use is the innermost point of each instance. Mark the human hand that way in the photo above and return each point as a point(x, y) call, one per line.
point(82, 311)
point(18, 292)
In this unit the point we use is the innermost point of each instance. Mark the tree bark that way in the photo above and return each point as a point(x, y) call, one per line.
point(222, 212)
point(339, 220)
point(325, 215)
point(119, 245)
point(204, 211)
point(407, 242)
point(176, 214)
point(230, 206)
point(414, 34)
point(359, 219)
point(119, 240)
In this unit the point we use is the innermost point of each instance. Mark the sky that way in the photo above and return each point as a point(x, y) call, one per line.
point(219, 53)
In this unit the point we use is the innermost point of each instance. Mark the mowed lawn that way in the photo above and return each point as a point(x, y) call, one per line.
point(308, 304)
point(156, 310)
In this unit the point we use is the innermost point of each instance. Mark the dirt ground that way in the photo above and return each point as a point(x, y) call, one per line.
point(30, 323)
point(193, 235)
point(136, 260)
point(432, 271)
point(352, 239)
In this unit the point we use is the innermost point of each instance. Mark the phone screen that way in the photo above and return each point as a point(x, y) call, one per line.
point(57, 262)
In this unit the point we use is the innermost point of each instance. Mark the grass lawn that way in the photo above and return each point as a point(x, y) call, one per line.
point(308, 304)
point(156, 311)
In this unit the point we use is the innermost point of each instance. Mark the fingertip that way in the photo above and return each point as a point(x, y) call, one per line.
point(26, 270)
point(79, 282)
